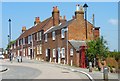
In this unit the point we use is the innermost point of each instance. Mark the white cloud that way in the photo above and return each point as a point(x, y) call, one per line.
point(113, 21)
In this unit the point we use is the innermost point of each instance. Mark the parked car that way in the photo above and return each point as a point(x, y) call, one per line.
point(2, 56)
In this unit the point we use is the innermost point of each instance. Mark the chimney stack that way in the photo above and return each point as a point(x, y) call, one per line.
point(79, 13)
point(56, 16)
point(96, 32)
point(73, 17)
point(23, 29)
point(64, 17)
point(37, 20)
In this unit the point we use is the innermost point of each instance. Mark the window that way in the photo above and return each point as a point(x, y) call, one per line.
point(53, 35)
point(40, 34)
point(71, 51)
point(37, 36)
point(14, 45)
point(63, 52)
point(18, 42)
point(62, 33)
point(46, 52)
point(23, 41)
point(45, 37)
point(39, 49)
point(24, 52)
point(18, 53)
point(54, 53)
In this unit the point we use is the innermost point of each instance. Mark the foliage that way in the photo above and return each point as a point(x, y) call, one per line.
point(115, 55)
point(12, 42)
point(97, 48)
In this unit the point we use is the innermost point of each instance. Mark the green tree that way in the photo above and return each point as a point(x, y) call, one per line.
point(12, 42)
point(97, 48)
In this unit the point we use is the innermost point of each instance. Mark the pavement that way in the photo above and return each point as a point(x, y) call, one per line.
point(65, 69)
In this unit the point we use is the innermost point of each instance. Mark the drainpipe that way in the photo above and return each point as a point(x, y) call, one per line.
point(67, 45)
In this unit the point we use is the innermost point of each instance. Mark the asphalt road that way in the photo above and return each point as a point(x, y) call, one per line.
point(20, 72)
point(31, 69)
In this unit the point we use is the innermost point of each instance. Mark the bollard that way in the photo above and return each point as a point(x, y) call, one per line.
point(18, 60)
point(90, 66)
point(105, 74)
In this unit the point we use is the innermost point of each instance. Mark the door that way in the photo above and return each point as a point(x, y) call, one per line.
point(48, 58)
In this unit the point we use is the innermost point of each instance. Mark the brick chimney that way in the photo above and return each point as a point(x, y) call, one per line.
point(23, 29)
point(96, 32)
point(56, 16)
point(37, 20)
point(79, 13)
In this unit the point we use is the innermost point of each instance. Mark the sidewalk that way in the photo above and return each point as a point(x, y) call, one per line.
point(91, 75)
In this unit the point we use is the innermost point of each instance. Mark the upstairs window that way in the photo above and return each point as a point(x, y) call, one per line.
point(53, 35)
point(63, 52)
point(45, 37)
point(37, 36)
point(40, 34)
point(18, 42)
point(62, 33)
point(23, 41)
point(71, 51)
point(54, 53)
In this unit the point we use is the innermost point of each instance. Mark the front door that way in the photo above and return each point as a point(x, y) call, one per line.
point(48, 58)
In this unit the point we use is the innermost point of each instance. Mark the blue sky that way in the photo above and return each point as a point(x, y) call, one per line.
point(23, 14)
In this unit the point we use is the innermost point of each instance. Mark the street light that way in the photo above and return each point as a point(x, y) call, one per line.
point(9, 38)
point(85, 9)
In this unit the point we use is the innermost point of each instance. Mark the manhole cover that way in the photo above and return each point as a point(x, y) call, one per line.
point(65, 72)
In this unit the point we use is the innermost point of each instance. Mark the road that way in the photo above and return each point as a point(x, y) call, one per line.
point(30, 69)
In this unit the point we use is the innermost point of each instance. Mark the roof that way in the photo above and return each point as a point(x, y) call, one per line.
point(77, 43)
point(34, 29)
point(59, 27)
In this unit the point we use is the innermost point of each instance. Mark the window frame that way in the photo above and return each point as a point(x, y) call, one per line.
point(71, 52)
point(46, 37)
point(54, 53)
point(63, 52)
point(53, 35)
point(62, 33)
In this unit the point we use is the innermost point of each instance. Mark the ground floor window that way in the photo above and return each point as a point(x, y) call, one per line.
point(71, 51)
point(39, 49)
point(63, 52)
point(46, 51)
point(54, 53)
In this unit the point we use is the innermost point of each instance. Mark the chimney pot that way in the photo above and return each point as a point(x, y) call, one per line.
point(64, 17)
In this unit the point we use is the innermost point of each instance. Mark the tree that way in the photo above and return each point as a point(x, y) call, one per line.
point(12, 42)
point(97, 48)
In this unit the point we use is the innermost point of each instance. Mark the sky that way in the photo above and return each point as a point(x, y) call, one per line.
point(24, 13)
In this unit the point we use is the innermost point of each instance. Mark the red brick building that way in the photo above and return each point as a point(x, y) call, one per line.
point(56, 39)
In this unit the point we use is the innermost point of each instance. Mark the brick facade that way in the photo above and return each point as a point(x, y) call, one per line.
point(50, 40)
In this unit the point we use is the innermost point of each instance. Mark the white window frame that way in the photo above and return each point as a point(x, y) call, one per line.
point(46, 37)
point(53, 35)
point(62, 33)
point(40, 34)
point(46, 52)
point(37, 36)
point(63, 52)
point(18, 42)
point(54, 53)
point(40, 48)
point(71, 52)
point(23, 41)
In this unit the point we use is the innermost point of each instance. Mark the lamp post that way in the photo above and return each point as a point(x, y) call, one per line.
point(85, 9)
point(9, 39)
